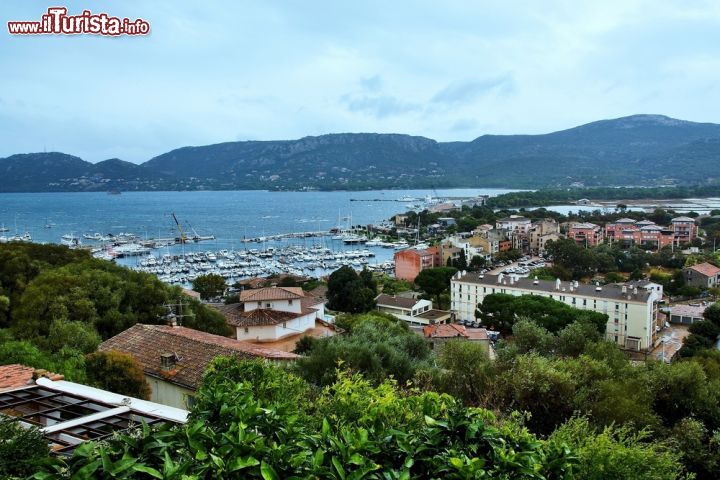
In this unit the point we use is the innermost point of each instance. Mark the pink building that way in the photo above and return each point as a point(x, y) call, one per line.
point(645, 232)
point(409, 262)
point(587, 234)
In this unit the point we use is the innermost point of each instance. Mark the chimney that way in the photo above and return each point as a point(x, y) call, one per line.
point(171, 320)
point(167, 361)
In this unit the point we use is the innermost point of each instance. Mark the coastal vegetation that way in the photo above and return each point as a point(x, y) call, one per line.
point(556, 402)
point(58, 304)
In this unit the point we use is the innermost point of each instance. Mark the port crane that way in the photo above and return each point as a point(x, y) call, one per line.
point(182, 238)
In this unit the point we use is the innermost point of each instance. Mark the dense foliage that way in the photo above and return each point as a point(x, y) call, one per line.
point(253, 420)
point(57, 304)
point(21, 449)
point(351, 292)
point(379, 346)
point(500, 311)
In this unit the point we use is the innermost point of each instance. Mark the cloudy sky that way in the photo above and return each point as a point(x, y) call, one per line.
point(215, 71)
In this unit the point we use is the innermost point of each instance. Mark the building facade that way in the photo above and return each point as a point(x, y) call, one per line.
point(632, 312)
point(703, 275)
point(645, 232)
point(410, 262)
point(586, 234)
point(272, 313)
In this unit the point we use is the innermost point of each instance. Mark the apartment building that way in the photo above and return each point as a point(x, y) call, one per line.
point(586, 234)
point(542, 232)
point(645, 232)
point(411, 261)
point(632, 312)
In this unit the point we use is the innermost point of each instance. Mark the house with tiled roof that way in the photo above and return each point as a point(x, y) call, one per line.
point(272, 313)
point(440, 333)
point(174, 358)
point(705, 275)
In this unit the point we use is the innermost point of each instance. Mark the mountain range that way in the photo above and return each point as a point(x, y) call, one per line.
point(635, 150)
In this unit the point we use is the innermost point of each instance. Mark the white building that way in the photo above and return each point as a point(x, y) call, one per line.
point(415, 311)
point(632, 312)
point(268, 314)
point(514, 224)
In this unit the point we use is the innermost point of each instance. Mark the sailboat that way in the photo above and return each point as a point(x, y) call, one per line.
point(4, 229)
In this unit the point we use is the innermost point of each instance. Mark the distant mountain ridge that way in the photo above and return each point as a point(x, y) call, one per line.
point(634, 150)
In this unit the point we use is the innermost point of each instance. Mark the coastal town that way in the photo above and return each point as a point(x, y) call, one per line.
point(360, 241)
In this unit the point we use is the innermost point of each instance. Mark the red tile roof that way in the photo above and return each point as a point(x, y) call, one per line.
point(707, 269)
point(453, 330)
point(271, 293)
point(193, 351)
point(236, 317)
point(15, 376)
point(444, 330)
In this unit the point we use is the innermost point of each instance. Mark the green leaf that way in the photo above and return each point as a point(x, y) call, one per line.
point(268, 472)
point(86, 473)
point(149, 470)
point(338, 466)
point(238, 463)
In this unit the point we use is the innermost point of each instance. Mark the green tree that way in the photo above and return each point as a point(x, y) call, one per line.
point(531, 337)
point(75, 335)
point(347, 292)
point(617, 453)
point(435, 281)
point(477, 262)
point(209, 286)
point(574, 339)
point(117, 372)
point(466, 372)
point(375, 345)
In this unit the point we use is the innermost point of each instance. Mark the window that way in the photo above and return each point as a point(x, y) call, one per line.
point(247, 330)
point(189, 400)
point(268, 305)
point(259, 304)
point(290, 302)
point(284, 324)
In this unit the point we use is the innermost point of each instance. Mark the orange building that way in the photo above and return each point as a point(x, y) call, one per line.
point(410, 262)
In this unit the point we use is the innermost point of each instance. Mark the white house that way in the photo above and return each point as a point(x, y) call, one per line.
point(412, 310)
point(269, 314)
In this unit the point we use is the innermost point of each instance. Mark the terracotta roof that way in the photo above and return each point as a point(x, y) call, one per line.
point(271, 293)
point(235, 316)
point(15, 376)
point(445, 330)
point(476, 334)
point(707, 269)
point(393, 301)
point(309, 302)
point(193, 351)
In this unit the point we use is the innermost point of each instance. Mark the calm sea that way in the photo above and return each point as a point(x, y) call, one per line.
point(228, 215)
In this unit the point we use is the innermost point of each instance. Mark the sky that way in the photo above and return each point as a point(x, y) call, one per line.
point(218, 71)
